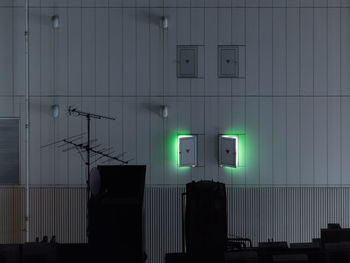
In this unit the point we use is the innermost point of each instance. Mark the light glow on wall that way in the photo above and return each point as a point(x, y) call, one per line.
point(241, 151)
point(178, 149)
point(236, 149)
point(173, 150)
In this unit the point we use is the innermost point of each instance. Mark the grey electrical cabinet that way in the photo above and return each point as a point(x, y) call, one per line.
point(187, 61)
point(228, 155)
point(228, 61)
point(187, 151)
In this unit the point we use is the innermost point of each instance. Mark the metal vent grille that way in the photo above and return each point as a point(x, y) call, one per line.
point(9, 151)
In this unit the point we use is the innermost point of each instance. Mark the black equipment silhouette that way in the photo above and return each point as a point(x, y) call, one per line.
point(115, 214)
point(206, 221)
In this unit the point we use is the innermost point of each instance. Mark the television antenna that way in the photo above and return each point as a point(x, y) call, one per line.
point(88, 146)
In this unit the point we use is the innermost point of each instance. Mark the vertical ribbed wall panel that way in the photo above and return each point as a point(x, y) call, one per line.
point(290, 214)
point(163, 221)
point(280, 214)
point(320, 207)
point(60, 212)
point(236, 208)
point(306, 218)
point(12, 207)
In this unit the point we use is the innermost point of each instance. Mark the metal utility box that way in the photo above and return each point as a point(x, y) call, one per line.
point(228, 61)
point(228, 150)
point(187, 61)
point(187, 150)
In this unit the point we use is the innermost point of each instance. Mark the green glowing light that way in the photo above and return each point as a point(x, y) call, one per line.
point(173, 153)
point(240, 150)
point(178, 149)
point(236, 150)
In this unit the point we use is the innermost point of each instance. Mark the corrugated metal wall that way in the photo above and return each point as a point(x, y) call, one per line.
point(59, 211)
point(163, 221)
point(111, 57)
point(12, 213)
point(292, 214)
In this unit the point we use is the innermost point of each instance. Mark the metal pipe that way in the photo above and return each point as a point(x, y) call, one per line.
point(88, 163)
point(27, 127)
point(183, 223)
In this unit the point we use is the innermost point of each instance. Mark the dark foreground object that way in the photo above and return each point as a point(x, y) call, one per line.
point(206, 221)
point(335, 254)
point(69, 253)
point(115, 214)
point(332, 247)
point(44, 253)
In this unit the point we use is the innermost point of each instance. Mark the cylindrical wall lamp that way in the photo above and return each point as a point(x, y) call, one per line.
point(55, 110)
point(164, 22)
point(164, 111)
point(55, 20)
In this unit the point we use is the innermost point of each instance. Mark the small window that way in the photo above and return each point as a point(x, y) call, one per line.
point(9, 151)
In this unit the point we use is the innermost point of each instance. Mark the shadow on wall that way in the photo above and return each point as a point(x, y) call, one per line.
point(152, 107)
point(150, 17)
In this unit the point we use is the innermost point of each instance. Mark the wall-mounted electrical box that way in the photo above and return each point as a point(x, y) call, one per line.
point(228, 61)
point(187, 145)
point(228, 150)
point(187, 61)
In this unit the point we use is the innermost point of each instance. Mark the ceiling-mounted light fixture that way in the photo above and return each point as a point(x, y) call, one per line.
point(164, 22)
point(55, 21)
